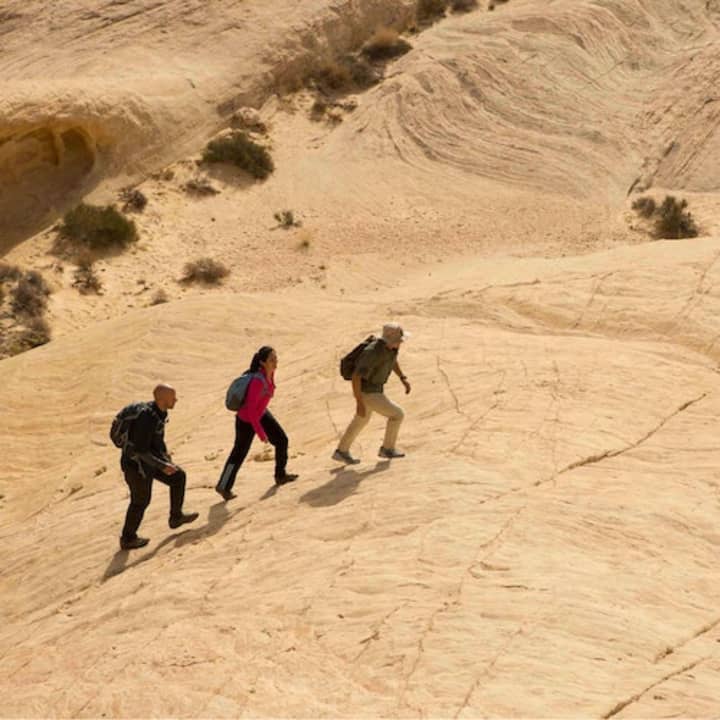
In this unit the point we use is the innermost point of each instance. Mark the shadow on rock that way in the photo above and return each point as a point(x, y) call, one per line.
point(344, 484)
point(217, 517)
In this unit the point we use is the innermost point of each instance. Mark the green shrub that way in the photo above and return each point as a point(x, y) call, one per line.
point(240, 149)
point(673, 221)
point(86, 280)
point(99, 228)
point(205, 270)
point(385, 44)
point(644, 206)
point(37, 332)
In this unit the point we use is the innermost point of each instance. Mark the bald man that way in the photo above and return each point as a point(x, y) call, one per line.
point(146, 458)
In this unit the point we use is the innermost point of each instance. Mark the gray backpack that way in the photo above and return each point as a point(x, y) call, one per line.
point(235, 396)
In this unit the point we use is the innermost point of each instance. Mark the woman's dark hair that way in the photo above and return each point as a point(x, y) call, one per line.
point(260, 356)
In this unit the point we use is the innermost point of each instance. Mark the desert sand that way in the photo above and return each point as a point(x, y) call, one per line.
point(548, 548)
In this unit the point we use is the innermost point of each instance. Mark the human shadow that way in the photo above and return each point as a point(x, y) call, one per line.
point(217, 517)
point(344, 484)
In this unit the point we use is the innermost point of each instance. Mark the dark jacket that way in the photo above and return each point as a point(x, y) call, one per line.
point(146, 441)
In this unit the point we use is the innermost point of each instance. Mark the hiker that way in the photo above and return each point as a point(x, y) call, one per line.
point(372, 370)
point(145, 458)
point(253, 418)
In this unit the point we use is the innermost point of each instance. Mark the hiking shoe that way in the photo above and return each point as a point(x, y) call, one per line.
point(175, 521)
point(390, 453)
point(226, 494)
point(345, 457)
point(133, 543)
point(286, 478)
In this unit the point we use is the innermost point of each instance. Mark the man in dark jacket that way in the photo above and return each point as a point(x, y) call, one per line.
point(145, 458)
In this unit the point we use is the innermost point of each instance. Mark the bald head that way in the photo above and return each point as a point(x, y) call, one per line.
point(165, 396)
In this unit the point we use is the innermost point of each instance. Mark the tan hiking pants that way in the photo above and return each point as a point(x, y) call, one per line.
point(375, 402)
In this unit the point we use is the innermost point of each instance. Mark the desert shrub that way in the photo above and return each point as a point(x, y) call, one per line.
point(644, 206)
point(37, 332)
point(134, 200)
point(200, 186)
point(493, 3)
point(333, 76)
point(385, 44)
point(9, 272)
point(205, 270)
point(86, 280)
point(429, 10)
point(673, 220)
point(240, 149)
point(461, 6)
point(29, 296)
point(286, 219)
point(97, 227)
point(159, 297)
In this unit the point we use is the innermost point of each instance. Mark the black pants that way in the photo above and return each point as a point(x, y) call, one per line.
point(244, 434)
point(141, 492)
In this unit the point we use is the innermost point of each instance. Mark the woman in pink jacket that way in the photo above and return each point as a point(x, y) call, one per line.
point(254, 418)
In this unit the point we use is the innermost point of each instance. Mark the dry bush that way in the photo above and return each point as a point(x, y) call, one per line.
point(463, 6)
point(200, 186)
point(493, 3)
point(159, 297)
point(673, 220)
point(644, 206)
point(29, 296)
point(36, 333)
point(204, 270)
point(286, 219)
point(240, 149)
point(430, 10)
point(9, 272)
point(85, 279)
point(135, 200)
point(333, 76)
point(386, 43)
point(99, 228)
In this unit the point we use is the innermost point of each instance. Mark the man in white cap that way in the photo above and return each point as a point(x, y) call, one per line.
point(372, 370)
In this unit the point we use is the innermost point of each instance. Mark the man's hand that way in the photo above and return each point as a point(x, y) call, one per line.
point(170, 469)
point(405, 382)
point(360, 410)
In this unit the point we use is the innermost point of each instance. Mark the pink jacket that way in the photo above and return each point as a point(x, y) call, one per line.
point(258, 396)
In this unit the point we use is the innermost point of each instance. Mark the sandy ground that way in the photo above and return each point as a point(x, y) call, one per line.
point(548, 546)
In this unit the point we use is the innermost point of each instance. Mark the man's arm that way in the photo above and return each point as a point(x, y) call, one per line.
point(357, 392)
point(403, 378)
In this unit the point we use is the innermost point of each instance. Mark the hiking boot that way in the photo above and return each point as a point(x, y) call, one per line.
point(226, 494)
point(175, 521)
point(133, 543)
point(345, 457)
point(390, 453)
point(286, 478)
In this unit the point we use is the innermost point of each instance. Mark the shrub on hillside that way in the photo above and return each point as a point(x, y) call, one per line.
point(386, 43)
point(240, 149)
point(36, 333)
point(673, 220)
point(9, 272)
point(462, 6)
point(204, 270)
point(134, 200)
point(429, 10)
point(644, 206)
point(29, 296)
point(85, 279)
point(99, 228)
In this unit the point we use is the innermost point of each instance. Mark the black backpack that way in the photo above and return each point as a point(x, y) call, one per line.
point(347, 364)
point(120, 428)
